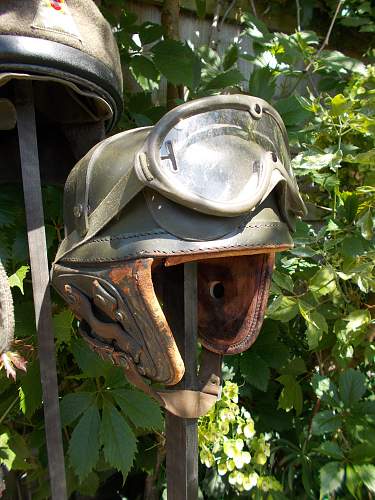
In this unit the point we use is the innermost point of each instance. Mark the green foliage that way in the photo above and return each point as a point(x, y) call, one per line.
point(307, 380)
point(230, 449)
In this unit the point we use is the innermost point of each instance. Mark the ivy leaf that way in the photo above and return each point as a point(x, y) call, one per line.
point(229, 78)
point(351, 386)
point(255, 370)
point(18, 277)
point(331, 478)
point(177, 62)
point(84, 443)
point(325, 422)
point(323, 282)
point(367, 474)
point(73, 405)
point(291, 395)
point(118, 440)
point(62, 326)
point(141, 409)
point(30, 390)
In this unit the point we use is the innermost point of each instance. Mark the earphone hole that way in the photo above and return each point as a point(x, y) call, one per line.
point(217, 290)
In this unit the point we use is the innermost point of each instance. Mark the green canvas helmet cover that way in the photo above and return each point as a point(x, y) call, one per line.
point(65, 40)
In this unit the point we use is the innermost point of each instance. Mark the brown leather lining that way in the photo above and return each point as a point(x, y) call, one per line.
point(232, 298)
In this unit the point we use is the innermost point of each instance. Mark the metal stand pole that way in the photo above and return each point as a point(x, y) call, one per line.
point(40, 277)
point(182, 433)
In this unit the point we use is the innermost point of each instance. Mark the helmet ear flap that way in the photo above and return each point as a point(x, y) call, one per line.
point(121, 316)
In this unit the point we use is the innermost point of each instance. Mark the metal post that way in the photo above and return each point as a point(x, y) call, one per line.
point(182, 433)
point(40, 278)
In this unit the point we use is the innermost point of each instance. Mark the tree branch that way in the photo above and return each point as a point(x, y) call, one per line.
point(170, 20)
point(328, 35)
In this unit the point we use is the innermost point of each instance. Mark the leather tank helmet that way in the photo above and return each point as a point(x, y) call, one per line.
point(211, 182)
point(67, 50)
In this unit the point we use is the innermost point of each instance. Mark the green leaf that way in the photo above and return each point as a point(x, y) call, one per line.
point(351, 204)
point(367, 475)
point(283, 309)
point(366, 224)
point(200, 6)
point(89, 486)
point(325, 390)
point(84, 443)
point(357, 319)
point(30, 390)
point(283, 280)
point(268, 346)
point(73, 405)
point(255, 28)
point(231, 56)
point(18, 277)
point(351, 386)
point(62, 326)
point(262, 83)
point(331, 449)
point(291, 111)
point(353, 481)
point(325, 422)
point(323, 282)
point(7, 456)
point(339, 104)
point(363, 452)
point(118, 440)
point(144, 67)
point(333, 60)
point(255, 370)
point(18, 445)
point(139, 407)
point(291, 395)
point(150, 32)
point(295, 367)
point(177, 62)
point(88, 361)
point(229, 78)
point(316, 327)
point(331, 478)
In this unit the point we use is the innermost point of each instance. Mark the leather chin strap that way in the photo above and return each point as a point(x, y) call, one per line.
point(182, 403)
point(185, 403)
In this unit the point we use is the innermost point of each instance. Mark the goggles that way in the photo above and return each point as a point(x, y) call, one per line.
point(220, 155)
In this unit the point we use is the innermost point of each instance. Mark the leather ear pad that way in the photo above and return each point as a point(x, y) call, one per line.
point(232, 299)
